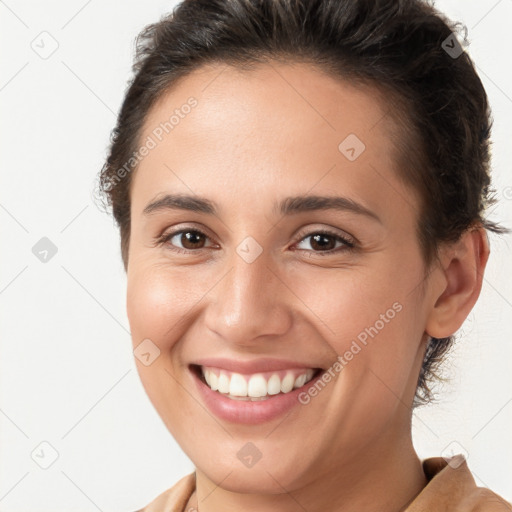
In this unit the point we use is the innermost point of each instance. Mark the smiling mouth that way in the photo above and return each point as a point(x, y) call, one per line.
point(255, 386)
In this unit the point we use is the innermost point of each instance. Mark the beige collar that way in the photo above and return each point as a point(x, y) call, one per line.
point(451, 488)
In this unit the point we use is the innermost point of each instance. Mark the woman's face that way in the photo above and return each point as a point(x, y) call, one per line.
point(257, 283)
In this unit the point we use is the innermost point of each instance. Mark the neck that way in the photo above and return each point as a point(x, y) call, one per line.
point(386, 479)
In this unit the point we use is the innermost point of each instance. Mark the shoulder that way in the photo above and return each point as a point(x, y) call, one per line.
point(451, 486)
point(482, 499)
point(175, 498)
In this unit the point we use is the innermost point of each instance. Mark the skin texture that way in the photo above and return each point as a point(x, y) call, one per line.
point(254, 138)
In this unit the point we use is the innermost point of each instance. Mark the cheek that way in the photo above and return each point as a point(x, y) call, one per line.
point(159, 307)
point(158, 301)
point(371, 318)
point(344, 302)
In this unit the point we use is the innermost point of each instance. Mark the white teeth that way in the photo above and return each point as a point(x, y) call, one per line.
point(214, 381)
point(223, 383)
point(302, 379)
point(274, 385)
point(257, 386)
point(287, 383)
point(235, 385)
point(299, 381)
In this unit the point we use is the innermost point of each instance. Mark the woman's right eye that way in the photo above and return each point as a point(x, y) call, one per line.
point(190, 239)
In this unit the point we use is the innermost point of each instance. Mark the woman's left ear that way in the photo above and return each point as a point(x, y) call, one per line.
point(463, 265)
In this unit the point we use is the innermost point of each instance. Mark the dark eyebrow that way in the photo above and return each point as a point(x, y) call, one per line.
point(181, 202)
point(287, 206)
point(298, 204)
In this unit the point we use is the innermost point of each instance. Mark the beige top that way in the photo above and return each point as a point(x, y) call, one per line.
point(449, 489)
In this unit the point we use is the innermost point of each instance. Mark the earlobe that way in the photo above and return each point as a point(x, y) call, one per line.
point(463, 265)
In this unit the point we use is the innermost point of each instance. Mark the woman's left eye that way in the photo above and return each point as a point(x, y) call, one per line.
point(326, 241)
point(321, 242)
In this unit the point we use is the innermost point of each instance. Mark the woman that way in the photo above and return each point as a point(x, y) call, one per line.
point(300, 188)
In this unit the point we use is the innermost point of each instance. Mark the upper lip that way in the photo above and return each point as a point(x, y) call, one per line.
point(254, 366)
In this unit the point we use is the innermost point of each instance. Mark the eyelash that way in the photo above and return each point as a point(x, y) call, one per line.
point(348, 245)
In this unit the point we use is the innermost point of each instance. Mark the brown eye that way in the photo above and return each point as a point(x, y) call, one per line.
point(321, 242)
point(191, 239)
point(184, 240)
point(325, 243)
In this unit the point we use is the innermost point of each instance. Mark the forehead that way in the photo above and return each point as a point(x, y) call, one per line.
point(274, 95)
point(274, 127)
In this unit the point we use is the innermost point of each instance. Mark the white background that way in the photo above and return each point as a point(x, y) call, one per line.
point(67, 371)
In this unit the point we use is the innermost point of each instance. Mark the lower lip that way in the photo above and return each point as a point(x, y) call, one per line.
point(249, 412)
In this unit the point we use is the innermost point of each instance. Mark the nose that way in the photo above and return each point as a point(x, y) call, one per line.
point(251, 301)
